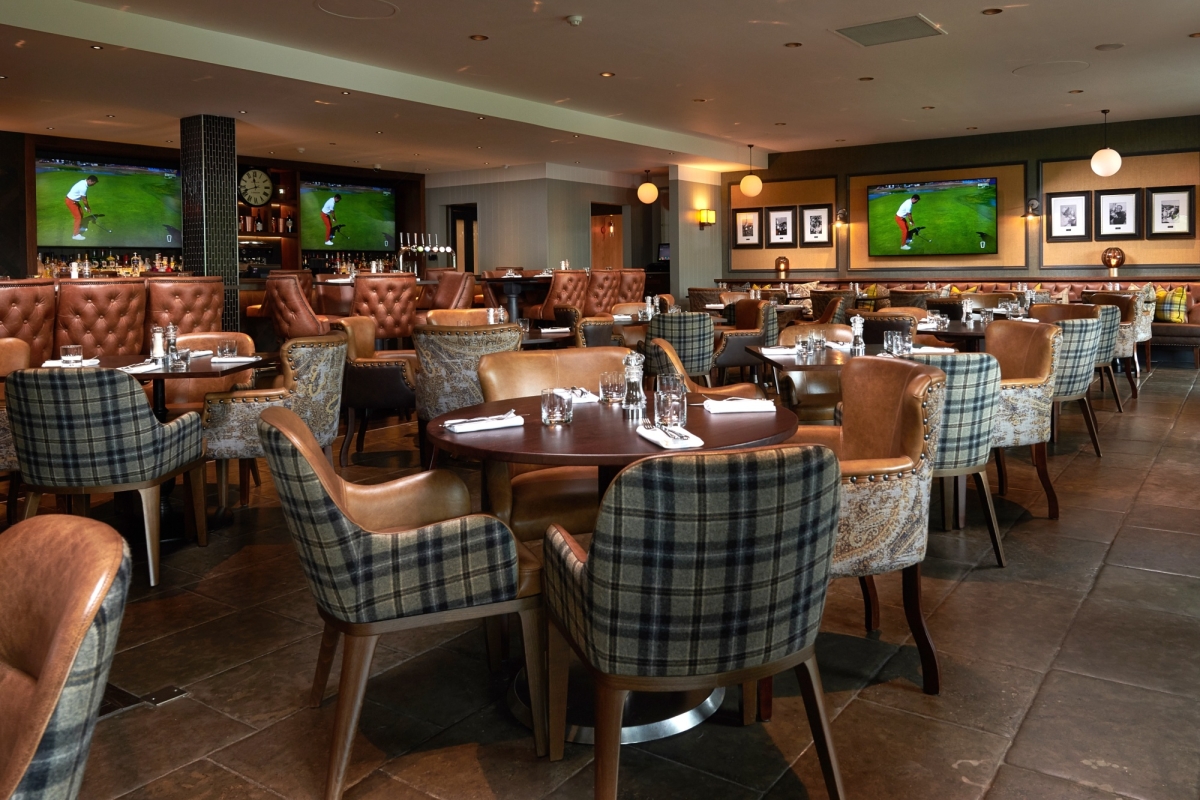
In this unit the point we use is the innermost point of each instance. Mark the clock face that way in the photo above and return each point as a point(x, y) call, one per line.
point(256, 187)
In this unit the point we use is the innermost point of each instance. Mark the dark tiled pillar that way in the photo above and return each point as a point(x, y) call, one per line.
point(208, 158)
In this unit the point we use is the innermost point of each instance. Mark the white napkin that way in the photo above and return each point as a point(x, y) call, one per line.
point(667, 442)
point(201, 353)
point(580, 396)
point(340, 280)
point(778, 351)
point(934, 350)
point(622, 317)
point(232, 359)
point(135, 368)
point(714, 306)
point(927, 326)
point(87, 362)
point(508, 420)
point(738, 405)
point(1026, 319)
point(556, 330)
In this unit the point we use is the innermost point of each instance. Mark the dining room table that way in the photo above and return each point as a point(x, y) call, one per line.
point(536, 337)
point(158, 373)
point(513, 286)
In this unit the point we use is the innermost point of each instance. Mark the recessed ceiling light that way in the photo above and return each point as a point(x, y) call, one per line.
point(972, 128)
point(416, 154)
point(866, 79)
point(576, 162)
point(97, 47)
point(50, 128)
point(839, 140)
point(1194, 35)
point(576, 136)
point(1106, 47)
point(481, 118)
point(478, 147)
point(991, 12)
point(379, 131)
point(3, 77)
point(241, 112)
point(355, 161)
point(111, 116)
point(478, 37)
point(791, 44)
point(333, 144)
point(607, 74)
point(699, 99)
point(671, 153)
point(927, 108)
point(781, 123)
point(345, 93)
point(271, 152)
point(1075, 91)
point(486, 163)
point(170, 141)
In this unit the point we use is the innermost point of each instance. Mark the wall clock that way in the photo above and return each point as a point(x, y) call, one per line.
point(256, 187)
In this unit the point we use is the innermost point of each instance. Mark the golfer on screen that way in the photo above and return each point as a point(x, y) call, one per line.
point(330, 218)
point(904, 220)
point(77, 203)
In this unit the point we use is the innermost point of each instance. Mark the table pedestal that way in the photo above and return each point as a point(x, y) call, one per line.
point(511, 291)
point(648, 715)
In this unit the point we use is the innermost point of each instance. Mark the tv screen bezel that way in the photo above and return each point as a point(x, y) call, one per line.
point(995, 235)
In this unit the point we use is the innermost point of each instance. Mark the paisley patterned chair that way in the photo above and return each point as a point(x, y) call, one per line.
point(887, 445)
point(1028, 354)
point(1144, 326)
point(312, 369)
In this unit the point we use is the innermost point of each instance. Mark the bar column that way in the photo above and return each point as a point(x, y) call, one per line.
point(208, 160)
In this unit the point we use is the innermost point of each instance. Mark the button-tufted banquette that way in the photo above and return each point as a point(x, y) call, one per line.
point(27, 312)
point(603, 288)
point(567, 288)
point(390, 300)
point(106, 316)
point(633, 284)
point(193, 304)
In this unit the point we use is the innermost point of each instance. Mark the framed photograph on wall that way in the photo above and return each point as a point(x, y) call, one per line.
point(816, 226)
point(1118, 214)
point(1068, 216)
point(1171, 212)
point(747, 228)
point(781, 226)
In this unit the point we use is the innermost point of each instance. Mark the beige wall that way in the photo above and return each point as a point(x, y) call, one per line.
point(786, 193)
point(1010, 219)
point(1137, 172)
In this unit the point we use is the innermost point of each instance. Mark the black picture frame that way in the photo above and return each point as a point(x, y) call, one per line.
point(807, 236)
point(1133, 217)
point(1081, 230)
point(740, 239)
point(1154, 220)
point(771, 217)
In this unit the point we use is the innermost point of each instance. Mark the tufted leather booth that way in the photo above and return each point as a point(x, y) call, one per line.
point(567, 288)
point(193, 304)
point(603, 288)
point(454, 290)
point(106, 316)
point(305, 277)
point(425, 300)
point(390, 300)
point(632, 287)
point(291, 314)
point(27, 312)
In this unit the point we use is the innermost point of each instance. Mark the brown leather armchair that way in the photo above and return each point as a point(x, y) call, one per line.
point(374, 380)
point(752, 321)
point(567, 288)
point(291, 314)
point(529, 497)
point(193, 304)
point(876, 323)
point(632, 287)
point(389, 300)
point(670, 363)
point(263, 309)
point(458, 317)
point(603, 289)
point(14, 355)
point(633, 334)
point(27, 312)
point(333, 299)
point(425, 300)
point(812, 395)
point(105, 315)
point(454, 290)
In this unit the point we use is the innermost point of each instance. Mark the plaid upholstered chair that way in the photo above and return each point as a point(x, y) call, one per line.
point(125, 448)
point(887, 443)
point(965, 446)
point(1082, 333)
point(695, 579)
point(1106, 349)
point(67, 578)
point(1028, 354)
point(667, 362)
point(14, 355)
point(691, 335)
point(391, 557)
point(310, 383)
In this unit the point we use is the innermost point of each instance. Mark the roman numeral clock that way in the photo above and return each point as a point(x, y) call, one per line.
point(255, 187)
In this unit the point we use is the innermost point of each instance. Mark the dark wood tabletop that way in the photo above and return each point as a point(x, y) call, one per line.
point(829, 358)
point(536, 338)
point(198, 367)
point(957, 330)
point(599, 435)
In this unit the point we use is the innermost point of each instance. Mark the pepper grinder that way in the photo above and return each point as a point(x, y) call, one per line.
point(857, 347)
point(634, 404)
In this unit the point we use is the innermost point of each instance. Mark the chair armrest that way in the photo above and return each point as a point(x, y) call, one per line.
point(230, 421)
point(564, 564)
point(1008, 383)
point(825, 435)
point(410, 502)
point(867, 468)
point(180, 441)
point(735, 336)
point(577, 550)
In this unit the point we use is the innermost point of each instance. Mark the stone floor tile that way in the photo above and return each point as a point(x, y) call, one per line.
point(1013, 783)
point(1074, 523)
point(164, 613)
point(381, 786)
point(201, 780)
point(440, 687)
point(1161, 551)
point(642, 776)
point(1057, 561)
point(1161, 591)
point(1167, 518)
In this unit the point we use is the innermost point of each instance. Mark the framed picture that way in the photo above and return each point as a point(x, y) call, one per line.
point(1118, 214)
point(1171, 212)
point(816, 223)
point(1068, 216)
point(747, 228)
point(781, 226)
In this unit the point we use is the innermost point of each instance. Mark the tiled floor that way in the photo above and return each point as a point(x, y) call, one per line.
point(1072, 674)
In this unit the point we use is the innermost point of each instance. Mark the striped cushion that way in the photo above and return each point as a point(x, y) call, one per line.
point(1171, 306)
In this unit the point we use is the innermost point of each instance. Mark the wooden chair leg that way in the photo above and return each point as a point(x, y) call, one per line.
point(818, 721)
point(222, 487)
point(14, 490)
point(362, 432)
point(610, 709)
point(1130, 367)
point(533, 625)
point(1090, 419)
point(960, 502)
point(152, 513)
point(1043, 471)
point(329, 643)
point(254, 473)
point(558, 664)
point(1054, 412)
point(911, 579)
point(32, 501)
point(195, 495)
point(346, 441)
point(243, 482)
point(356, 668)
point(766, 699)
point(989, 514)
point(749, 702)
point(947, 504)
point(1001, 471)
point(870, 603)
point(1112, 381)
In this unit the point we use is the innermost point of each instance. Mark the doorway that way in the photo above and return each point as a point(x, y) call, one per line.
point(464, 233)
point(608, 237)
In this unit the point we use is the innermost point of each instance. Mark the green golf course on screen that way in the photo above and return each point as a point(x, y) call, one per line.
point(105, 205)
point(934, 218)
point(340, 217)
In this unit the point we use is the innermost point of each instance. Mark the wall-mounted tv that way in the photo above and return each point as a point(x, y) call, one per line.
point(90, 204)
point(339, 216)
point(932, 218)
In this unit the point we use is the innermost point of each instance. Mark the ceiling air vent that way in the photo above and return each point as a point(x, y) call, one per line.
point(893, 30)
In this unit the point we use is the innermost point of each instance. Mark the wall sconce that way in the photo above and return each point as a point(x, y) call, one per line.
point(707, 217)
point(843, 217)
point(1033, 209)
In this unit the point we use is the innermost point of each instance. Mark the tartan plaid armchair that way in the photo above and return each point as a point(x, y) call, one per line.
point(692, 336)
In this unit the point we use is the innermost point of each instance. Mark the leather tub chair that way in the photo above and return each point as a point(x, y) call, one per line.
point(667, 362)
point(633, 334)
point(632, 288)
point(950, 307)
point(812, 395)
point(392, 557)
point(193, 305)
point(63, 597)
point(876, 323)
point(106, 315)
point(458, 317)
point(1028, 355)
point(390, 301)
point(425, 300)
point(127, 449)
point(755, 324)
point(780, 530)
point(597, 332)
point(567, 288)
point(27, 312)
point(529, 497)
point(454, 290)
point(291, 314)
point(263, 309)
point(332, 300)
point(603, 290)
point(374, 380)
point(823, 297)
point(311, 372)
point(699, 297)
point(14, 355)
point(988, 299)
point(886, 444)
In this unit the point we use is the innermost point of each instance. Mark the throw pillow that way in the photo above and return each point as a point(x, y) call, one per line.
point(1171, 306)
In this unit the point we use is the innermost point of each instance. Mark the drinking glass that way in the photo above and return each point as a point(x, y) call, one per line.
point(227, 348)
point(612, 387)
point(906, 343)
point(672, 384)
point(558, 407)
point(670, 409)
point(72, 355)
point(889, 341)
point(818, 339)
point(524, 323)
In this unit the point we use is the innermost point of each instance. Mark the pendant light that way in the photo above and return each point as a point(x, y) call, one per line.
point(647, 192)
point(751, 185)
point(1106, 162)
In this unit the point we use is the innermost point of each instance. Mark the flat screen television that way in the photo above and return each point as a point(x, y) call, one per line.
point(933, 218)
point(126, 206)
point(364, 218)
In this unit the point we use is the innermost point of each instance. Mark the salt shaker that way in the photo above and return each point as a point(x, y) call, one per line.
point(634, 404)
point(157, 347)
point(857, 347)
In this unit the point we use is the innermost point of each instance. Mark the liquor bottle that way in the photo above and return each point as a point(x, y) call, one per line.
point(289, 224)
point(258, 226)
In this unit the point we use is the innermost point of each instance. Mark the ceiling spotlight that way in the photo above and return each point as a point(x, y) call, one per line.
point(576, 162)
point(50, 128)
point(751, 184)
point(647, 192)
point(241, 112)
point(111, 116)
point(699, 100)
point(1107, 47)
point(781, 123)
point(3, 77)
point(478, 37)
point(1075, 91)
point(839, 140)
point(991, 12)
point(333, 144)
point(481, 118)
point(478, 147)
point(170, 141)
point(791, 44)
point(576, 135)
point(345, 93)
point(1106, 162)
point(486, 163)
point(97, 47)
point(608, 74)
point(416, 154)
point(866, 79)
point(271, 152)
point(927, 108)
point(972, 128)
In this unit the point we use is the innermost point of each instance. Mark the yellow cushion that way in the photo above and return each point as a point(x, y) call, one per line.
point(956, 290)
point(1038, 288)
point(1171, 306)
point(873, 290)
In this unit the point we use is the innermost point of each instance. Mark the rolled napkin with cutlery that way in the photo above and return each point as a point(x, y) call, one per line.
point(233, 359)
point(934, 350)
point(738, 405)
point(715, 306)
point(87, 362)
point(580, 395)
point(622, 318)
point(669, 442)
point(778, 351)
point(145, 366)
point(201, 353)
point(509, 420)
point(555, 330)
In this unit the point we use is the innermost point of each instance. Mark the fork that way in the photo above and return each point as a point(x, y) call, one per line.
point(651, 426)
